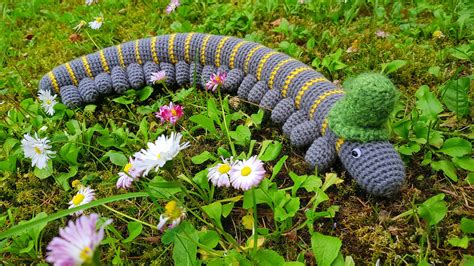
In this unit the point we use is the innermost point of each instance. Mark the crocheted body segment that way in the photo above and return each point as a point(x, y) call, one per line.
point(300, 98)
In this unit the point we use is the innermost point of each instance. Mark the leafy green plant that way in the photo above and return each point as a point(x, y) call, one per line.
point(421, 131)
point(467, 227)
point(455, 95)
point(331, 62)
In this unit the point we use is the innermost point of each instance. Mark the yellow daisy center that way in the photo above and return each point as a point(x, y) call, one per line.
point(246, 171)
point(127, 167)
point(99, 19)
point(76, 183)
point(38, 150)
point(173, 112)
point(158, 156)
point(223, 168)
point(437, 33)
point(86, 254)
point(172, 210)
point(48, 101)
point(76, 200)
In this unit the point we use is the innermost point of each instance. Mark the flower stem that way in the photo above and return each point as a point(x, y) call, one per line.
point(255, 220)
point(129, 217)
point(232, 147)
point(219, 230)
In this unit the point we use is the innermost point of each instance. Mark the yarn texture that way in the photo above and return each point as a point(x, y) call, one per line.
point(317, 116)
point(362, 114)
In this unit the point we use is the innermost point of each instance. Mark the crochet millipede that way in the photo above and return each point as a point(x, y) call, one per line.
point(314, 113)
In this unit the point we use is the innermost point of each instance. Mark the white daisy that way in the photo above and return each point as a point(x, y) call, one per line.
point(83, 196)
point(247, 173)
point(38, 150)
point(97, 23)
point(219, 174)
point(91, 2)
point(159, 152)
point(172, 217)
point(130, 173)
point(47, 101)
point(173, 146)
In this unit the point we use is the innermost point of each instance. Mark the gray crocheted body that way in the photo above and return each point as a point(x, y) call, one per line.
point(300, 98)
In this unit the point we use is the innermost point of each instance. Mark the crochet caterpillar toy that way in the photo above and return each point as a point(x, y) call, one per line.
point(313, 112)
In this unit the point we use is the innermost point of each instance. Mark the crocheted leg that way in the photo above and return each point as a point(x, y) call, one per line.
point(233, 80)
point(103, 83)
point(246, 86)
point(182, 73)
point(321, 154)
point(270, 99)
point(304, 134)
point(207, 71)
point(257, 92)
point(195, 71)
point(283, 110)
point(70, 96)
point(170, 73)
point(119, 80)
point(223, 69)
point(88, 91)
point(136, 78)
point(148, 69)
point(295, 119)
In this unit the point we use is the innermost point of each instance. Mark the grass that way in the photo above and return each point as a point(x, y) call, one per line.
point(38, 35)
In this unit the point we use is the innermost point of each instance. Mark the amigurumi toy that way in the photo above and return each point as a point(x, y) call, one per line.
point(313, 112)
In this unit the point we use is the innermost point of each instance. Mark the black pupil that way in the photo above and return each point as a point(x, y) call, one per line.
point(355, 153)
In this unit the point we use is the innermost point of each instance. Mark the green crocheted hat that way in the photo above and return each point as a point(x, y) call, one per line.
point(362, 114)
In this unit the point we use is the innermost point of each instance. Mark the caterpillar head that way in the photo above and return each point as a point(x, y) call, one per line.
point(376, 166)
point(360, 118)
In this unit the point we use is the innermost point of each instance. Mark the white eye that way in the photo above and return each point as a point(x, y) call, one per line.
point(356, 153)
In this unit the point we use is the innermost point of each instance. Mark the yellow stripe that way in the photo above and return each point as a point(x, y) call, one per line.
point(249, 56)
point(171, 48)
point(234, 53)
point(305, 87)
point(320, 99)
point(324, 127)
point(275, 71)
point(137, 53)
point(53, 81)
point(86, 66)
point(120, 55)
point(290, 78)
point(153, 50)
point(71, 73)
point(105, 66)
point(262, 63)
point(218, 50)
point(203, 49)
point(339, 143)
point(187, 44)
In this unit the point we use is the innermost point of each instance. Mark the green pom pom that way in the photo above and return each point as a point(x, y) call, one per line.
point(362, 114)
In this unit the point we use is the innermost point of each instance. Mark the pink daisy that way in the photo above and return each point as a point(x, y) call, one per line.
point(170, 113)
point(76, 242)
point(215, 81)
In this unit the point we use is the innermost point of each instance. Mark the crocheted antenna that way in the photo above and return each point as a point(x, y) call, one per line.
point(362, 114)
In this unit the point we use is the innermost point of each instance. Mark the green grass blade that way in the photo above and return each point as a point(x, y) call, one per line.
point(18, 228)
